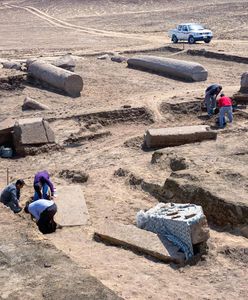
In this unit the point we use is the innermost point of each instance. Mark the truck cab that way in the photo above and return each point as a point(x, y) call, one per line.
point(190, 32)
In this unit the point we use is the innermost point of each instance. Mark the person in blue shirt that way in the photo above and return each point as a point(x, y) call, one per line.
point(10, 196)
point(43, 211)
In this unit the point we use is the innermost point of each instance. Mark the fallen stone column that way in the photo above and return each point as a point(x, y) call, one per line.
point(175, 136)
point(57, 77)
point(185, 70)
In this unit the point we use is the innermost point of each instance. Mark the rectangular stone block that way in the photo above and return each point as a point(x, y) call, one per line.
point(72, 208)
point(33, 131)
point(138, 240)
point(175, 136)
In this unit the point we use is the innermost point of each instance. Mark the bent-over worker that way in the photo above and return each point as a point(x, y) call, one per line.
point(43, 211)
point(211, 94)
point(41, 184)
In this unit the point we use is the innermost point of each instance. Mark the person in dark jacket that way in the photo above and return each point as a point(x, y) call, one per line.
point(43, 211)
point(211, 94)
point(10, 196)
point(42, 184)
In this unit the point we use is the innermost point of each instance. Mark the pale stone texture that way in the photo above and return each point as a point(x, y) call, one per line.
point(174, 136)
point(57, 77)
point(30, 104)
point(185, 70)
point(139, 240)
point(244, 83)
point(72, 208)
point(32, 132)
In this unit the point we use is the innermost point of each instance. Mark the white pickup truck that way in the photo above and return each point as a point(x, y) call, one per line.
point(190, 32)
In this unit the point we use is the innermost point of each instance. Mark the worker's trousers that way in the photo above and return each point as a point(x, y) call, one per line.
point(44, 191)
point(223, 111)
point(210, 102)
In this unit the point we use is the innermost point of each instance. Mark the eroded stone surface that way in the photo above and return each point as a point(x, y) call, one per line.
point(174, 136)
point(139, 240)
point(72, 208)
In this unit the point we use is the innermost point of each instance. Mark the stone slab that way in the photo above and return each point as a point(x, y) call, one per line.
point(138, 240)
point(175, 136)
point(72, 208)
point(33, 131)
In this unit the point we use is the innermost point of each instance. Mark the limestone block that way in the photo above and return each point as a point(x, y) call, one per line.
point(62, 79)
point(72, 208)
point(66, 62)
point(12, 65)
point(30, 104)
point(184, 70)
point(138, 240)
point(174, 136)
point(31, 132)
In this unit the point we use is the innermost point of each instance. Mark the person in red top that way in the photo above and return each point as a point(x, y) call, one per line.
point(225, 106)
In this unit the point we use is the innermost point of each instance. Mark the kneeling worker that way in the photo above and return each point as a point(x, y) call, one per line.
point(10, 196)
point(43, 211)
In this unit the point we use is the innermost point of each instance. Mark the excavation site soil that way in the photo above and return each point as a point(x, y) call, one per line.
point(101, 134)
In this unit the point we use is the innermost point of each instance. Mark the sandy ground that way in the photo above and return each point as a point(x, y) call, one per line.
point(51, 28)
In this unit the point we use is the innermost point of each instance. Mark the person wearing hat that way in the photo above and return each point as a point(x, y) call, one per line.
point(43, 211)
point(10, 196)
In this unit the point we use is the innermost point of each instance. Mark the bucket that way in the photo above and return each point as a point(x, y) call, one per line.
point(6, 152)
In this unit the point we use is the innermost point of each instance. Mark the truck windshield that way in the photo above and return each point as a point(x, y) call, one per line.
point(195, 27)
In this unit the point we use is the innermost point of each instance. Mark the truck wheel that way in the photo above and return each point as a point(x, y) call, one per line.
point(174, 39)
point(191, 40)
point(207, 41)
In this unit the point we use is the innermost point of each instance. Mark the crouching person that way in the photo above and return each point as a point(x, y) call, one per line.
point(43, 211)
point(10, 196)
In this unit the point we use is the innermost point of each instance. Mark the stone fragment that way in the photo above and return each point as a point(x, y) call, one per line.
point(30, 104)
point(72, 208)
point(64, 80)
point(244, 83)
point(66, 62)
point(175, 136)
point(138, 240)
point(119, 59)
point(12, 65)
point(102, 57)
point(185, 70)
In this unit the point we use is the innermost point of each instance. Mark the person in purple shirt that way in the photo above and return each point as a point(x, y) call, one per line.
point(42, 183)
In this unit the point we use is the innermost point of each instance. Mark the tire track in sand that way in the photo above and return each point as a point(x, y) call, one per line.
point(63, 24)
